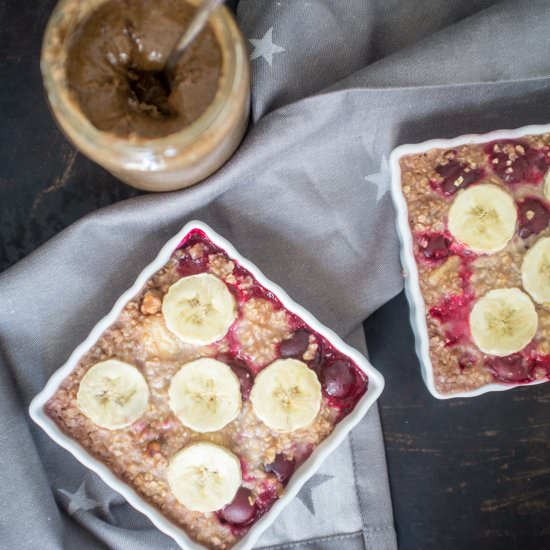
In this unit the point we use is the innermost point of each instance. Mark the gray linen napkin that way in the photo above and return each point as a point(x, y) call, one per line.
point(337, 84)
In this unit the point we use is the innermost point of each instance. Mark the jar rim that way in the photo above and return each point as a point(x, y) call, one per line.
point(144, 153)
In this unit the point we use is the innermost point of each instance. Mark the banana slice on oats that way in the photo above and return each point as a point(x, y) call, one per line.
point(546, 188)
point(199, 309)
point(113, 394)
point(204, 477)
point(535, 271)
point(503, 321)
point(483, 218)
point(286, 395)
point(205, 395)
point(158, 340)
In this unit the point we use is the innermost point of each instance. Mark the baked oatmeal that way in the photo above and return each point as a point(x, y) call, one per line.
point(207, 394)
point(479, 217)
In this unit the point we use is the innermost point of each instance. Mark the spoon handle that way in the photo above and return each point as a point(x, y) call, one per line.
point(195, 27)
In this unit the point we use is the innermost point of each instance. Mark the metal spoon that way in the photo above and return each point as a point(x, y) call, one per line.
point(154, 87)
point(195, 27)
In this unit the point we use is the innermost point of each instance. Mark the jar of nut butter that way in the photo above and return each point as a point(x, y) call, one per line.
point(157, 134)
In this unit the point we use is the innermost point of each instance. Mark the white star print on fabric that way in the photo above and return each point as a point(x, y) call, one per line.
point(79, 500)
point(264, 47)
point(306, 493)
point(381, 179)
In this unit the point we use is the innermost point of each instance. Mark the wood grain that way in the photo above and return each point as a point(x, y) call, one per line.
point(465, 473)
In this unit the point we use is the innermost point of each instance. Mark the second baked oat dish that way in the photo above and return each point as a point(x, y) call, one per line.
point(206, 394)
point(479, 216)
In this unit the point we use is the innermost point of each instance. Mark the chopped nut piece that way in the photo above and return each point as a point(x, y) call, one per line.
point(196, 251)
point(220, 265)
point(151, 303)
point(311, 350)
point(153, 448)
point(445, 273)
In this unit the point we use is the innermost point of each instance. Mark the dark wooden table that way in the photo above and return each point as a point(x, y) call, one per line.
point(465, 474)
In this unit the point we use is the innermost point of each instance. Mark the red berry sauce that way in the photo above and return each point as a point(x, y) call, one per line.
point(523, 367)
point(282, 467)
point(453, 313)
point(193, 266)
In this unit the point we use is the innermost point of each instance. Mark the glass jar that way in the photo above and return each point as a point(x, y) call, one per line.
point(166, 163)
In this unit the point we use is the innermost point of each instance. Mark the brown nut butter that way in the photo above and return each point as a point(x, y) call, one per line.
point(102, 64)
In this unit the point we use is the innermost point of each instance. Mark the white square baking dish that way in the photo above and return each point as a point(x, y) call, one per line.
point(412, 286)
point(302, 474)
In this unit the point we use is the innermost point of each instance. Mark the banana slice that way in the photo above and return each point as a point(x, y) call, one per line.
point(113, 394)
point(535, 271)
point(199, 309)
point(546, 188)
point(503, 321)
point(204, 477)
point(483, 217)
point(205, 395)
point(286, 395)
point(157, 340)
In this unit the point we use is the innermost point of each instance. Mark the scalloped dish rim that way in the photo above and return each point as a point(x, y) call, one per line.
point(415, 299)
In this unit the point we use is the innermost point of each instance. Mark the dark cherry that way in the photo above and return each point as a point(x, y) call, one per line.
point(302, 453)
point(457, 176)
point(240, 368)
point(282, 467)
point(245, 378)
point(296, 345)
point(338, 378)
point(533, 217)
point(517, 162)
point(513, 368)
point(240, 511)
point(317, 361)
point(187, 266)
point(434, 247)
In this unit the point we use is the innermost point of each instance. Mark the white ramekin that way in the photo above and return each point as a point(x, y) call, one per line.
point(375, 386)
point(412, 285)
